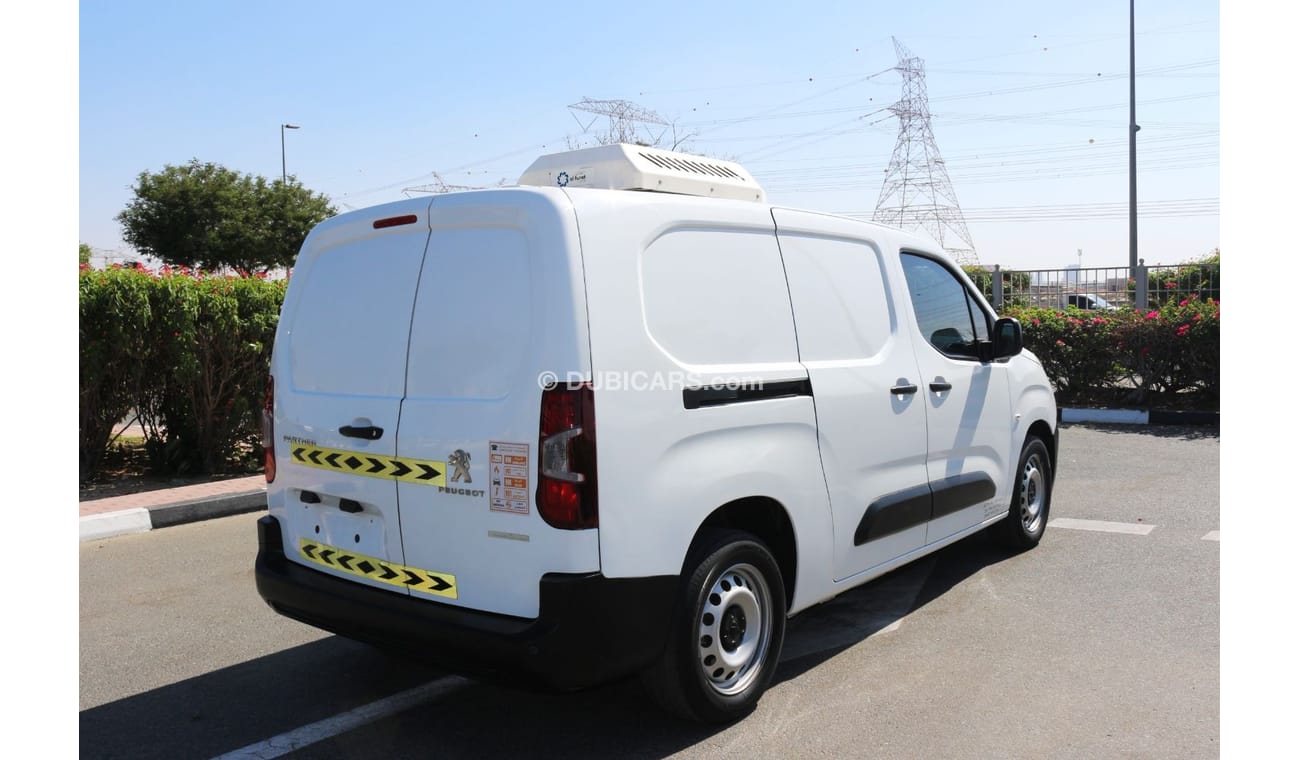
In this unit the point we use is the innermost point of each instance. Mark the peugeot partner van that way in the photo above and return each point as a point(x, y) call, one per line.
point(627, 418)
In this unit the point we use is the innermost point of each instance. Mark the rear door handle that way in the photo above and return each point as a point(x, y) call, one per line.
point(903, 390)
point(369, 432)
point(939, 386)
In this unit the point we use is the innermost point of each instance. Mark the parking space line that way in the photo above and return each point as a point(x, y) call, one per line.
point(1211, 536)
point(298, 738)
point(1101, 526)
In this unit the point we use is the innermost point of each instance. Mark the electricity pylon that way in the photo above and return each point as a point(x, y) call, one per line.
point(628, 122)
point(437, 186)
point(917, 192)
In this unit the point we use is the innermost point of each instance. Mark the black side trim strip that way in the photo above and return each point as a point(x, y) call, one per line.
point(961, 491)
point(893, 513)
point(710, 395)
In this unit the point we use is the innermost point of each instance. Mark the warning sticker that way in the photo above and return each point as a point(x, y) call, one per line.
point(508, 476)
point(423, 471)
point(414, 578)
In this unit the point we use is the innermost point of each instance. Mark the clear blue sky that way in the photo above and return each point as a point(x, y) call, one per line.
point(1035, 140)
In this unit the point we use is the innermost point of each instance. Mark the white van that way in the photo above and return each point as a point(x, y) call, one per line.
point(627, 418)
point(1086, 301)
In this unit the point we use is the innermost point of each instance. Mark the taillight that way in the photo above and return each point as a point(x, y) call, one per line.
point(566, 488)
point(268, 428)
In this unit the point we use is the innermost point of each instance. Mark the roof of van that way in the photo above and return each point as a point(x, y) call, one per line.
point(400, 208)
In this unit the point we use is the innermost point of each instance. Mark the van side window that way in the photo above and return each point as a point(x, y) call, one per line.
point(948, 315)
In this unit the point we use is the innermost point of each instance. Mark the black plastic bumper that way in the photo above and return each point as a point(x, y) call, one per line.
point(591, 629)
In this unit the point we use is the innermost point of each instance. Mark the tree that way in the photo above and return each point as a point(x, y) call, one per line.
point(205, 215)
point(83, 252)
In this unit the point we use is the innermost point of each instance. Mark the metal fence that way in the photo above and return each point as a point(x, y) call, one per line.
point(1146, 286)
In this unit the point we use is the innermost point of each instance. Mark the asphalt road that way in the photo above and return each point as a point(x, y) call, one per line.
point(1095, 644)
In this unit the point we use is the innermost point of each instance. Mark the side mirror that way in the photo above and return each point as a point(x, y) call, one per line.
point(1008, 340)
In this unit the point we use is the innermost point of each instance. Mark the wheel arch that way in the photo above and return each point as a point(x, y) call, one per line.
point(1041, 429)
point(767, 519)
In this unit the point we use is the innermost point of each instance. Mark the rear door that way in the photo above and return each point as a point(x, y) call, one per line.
point(340, 373)
point(500, 304)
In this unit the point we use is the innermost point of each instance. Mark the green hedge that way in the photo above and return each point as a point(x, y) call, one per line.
point(188, 352)
point(1166, 356)
point(114, 337)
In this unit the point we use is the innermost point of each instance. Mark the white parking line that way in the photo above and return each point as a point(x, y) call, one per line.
point(1101, 526)
point(1211, 536)
point(298, 738)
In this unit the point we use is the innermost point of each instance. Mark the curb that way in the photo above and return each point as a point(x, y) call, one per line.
point(141, 519)
point(118, 523)
point(1138, 416)
point(206, 509)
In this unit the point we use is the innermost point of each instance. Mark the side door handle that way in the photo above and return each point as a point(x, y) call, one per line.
point(938, 386)
point(368, 432)
point(903, 390)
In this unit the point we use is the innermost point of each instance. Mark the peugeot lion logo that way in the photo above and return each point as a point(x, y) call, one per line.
point(459, 460)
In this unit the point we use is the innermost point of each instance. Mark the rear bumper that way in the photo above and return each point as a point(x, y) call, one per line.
point(591, 629)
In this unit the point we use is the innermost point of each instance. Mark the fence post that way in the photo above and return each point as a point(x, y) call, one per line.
point(1140, 297)
point(997, 287)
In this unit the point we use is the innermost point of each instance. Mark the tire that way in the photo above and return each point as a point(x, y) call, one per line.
point(726, 631)
point(1031, 498)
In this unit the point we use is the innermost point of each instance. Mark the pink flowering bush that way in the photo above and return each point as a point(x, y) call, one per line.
point(1162, 356)
point(1074, 346)
point(1174, 352)
point(189, 351)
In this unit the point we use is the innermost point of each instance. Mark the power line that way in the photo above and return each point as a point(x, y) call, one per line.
point(1002, 177)
point(1172, 208)
point(1072, 82)
point(1069, 152)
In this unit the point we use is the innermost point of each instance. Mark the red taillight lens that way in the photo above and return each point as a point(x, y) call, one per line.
point(566, 488)
point(268, 429)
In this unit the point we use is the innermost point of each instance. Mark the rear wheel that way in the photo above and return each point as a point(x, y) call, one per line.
point(726, 633)
point(1031, 499)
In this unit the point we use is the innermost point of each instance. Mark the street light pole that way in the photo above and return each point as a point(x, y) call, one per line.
point(284, 177)
point(1132, 149)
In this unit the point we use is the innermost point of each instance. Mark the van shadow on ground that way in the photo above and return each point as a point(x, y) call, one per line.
point(243, 704)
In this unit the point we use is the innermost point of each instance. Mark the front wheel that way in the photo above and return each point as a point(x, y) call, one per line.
point(726, 633)
point(1031, 499)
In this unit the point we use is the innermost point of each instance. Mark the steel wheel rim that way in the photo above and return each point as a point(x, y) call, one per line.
point(734, 629)
point(1033, 495)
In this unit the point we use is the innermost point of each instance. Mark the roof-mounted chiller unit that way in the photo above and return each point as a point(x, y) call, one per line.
point(634, 167)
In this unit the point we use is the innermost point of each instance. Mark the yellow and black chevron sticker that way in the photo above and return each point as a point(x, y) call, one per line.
point(438, 584)
point(423, 471)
